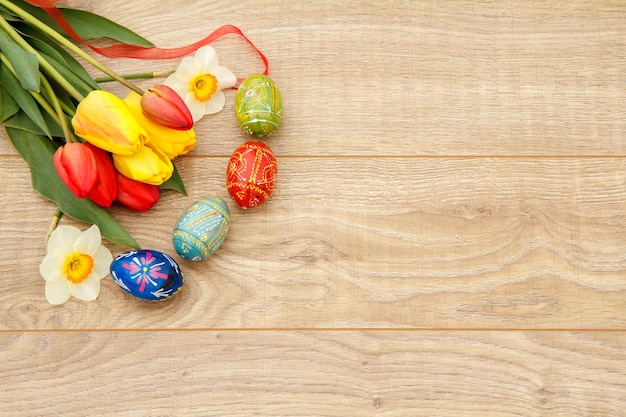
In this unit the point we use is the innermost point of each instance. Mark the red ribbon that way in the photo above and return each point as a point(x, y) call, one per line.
point(123, 50)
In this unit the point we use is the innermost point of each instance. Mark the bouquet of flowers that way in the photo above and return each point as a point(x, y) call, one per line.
point(87, 148)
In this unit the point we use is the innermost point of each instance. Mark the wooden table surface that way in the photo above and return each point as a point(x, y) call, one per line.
point(447, 236)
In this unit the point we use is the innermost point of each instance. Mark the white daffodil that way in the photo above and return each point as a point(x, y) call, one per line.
point(199, 81)
point(74, 265)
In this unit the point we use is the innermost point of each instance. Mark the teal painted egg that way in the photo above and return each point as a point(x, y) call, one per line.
point(147, 274)
point(258, 105)
point(201, 229)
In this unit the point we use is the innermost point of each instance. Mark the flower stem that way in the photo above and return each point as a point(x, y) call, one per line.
point(42, 61)
point(69, 45)
point(153, 74)
point(53, 224)
point(67, 132)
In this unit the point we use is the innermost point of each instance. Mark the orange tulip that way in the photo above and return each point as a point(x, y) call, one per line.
point(76, 165)
point(164, 106)
point(135, 195)
point(171, 142)
point(105, 188)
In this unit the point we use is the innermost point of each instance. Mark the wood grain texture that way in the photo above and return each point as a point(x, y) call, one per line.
point(410, 77)
point(386, 373)
point(447, 236)
point(421, 242)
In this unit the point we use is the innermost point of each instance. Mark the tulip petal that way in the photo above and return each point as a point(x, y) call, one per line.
point(147, 165)
point(135, 195)
point(163, 105)
point(104, 120)
point(76, 165)
point(171, 142)
point(104, 191)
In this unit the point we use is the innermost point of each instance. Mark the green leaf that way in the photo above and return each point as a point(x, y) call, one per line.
point(49, 48)
point(87, 25)
point(26, 64)
point(23, 98)
point(174, 183)
point(78, 83)
point(38, 152)
point(8, 106)
point(21, 121)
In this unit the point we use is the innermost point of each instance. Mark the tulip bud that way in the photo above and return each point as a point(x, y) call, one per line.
point(171, 142)
point(135, 195)
point(105, 190)
point(148, 165)
point(104, 120)
point(76, 166)
point(164, 106)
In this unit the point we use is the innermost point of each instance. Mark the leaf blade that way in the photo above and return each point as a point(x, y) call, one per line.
point(174, 183)
point(8, 106)
point(87, 25)
point(25, 63)
point(23, 98)
point(37, 151)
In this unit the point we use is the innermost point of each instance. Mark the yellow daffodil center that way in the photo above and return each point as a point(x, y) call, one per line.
point(203, 86)
point(77, 267)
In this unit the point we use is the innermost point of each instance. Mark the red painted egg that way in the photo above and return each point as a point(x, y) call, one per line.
point(251, 174)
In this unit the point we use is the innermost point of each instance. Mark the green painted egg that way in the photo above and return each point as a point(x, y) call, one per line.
point(201, 229)
point(258, 105)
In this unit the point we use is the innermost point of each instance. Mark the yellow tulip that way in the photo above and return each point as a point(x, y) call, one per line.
point(170, 141)
point(148, 165)
point(105, 121)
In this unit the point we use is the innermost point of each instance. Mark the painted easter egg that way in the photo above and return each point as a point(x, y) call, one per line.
point(258, 105)
point(201, 229)
point(251, 174)
point(147, 274)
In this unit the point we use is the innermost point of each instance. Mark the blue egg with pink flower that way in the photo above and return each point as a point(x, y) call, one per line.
point(147, 274)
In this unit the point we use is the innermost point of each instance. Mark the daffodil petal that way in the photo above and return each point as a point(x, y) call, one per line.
point(190, 76)
point(225, 77)
point(102, 259)
point(195, 107)
point(63, 237)
point(57, 291)
point(89, 241)
point(207, 57)
point(177, 85)
point(51, 268)
point(187, 69)
point(88, 290)
point(216, 104)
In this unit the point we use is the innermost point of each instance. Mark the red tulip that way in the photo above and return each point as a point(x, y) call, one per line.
point(76, 165)
point(164, 106)
point(105, 189)
point(136, 195)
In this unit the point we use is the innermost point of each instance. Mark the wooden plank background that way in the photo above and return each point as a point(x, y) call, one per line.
point(447, 236)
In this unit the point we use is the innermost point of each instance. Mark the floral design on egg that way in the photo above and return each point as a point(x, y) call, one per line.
point(147, 274)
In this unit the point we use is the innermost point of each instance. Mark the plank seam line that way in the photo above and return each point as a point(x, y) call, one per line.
point(320, 330)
